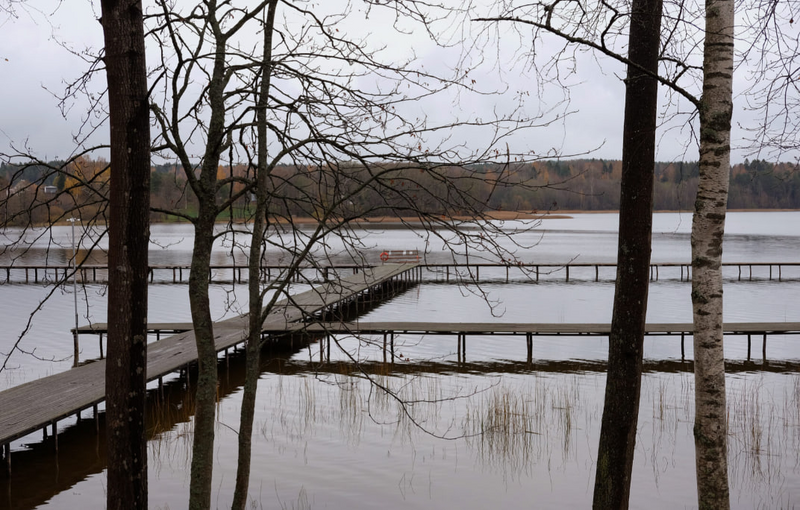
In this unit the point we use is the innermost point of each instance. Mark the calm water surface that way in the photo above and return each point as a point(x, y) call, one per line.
point(492, 432)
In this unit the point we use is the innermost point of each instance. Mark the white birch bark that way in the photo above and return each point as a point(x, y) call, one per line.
point(708, 225)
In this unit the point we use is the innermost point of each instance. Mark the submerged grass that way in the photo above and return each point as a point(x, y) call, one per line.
point(517, 425)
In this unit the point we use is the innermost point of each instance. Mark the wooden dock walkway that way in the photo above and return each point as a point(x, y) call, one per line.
point(461, 329)
point(42, 403)
point(50, 274)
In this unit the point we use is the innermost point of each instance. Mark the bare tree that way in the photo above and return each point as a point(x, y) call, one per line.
point(598, 26)
point(256, 300)
point(321, 121)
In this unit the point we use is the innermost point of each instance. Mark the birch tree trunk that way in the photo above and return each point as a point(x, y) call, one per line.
point(708, 225)
point(128, 228)
point(623, 381)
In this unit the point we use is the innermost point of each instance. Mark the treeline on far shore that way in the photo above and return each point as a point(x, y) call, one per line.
point(583, 185)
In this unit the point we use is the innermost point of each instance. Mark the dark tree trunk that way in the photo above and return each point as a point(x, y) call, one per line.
point(129, 206)
point(623, 384)
point(254, 280)
point(205, 189)
point(206, 387)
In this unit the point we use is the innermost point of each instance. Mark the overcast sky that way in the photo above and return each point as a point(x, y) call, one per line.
point(35, 68)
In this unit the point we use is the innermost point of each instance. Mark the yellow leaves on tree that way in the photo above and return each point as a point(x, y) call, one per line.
point(84, 175)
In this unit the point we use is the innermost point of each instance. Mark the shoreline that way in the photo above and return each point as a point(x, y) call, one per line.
point(566, 214)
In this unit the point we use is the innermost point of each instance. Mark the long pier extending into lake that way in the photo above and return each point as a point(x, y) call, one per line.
point(40, 404)
point(227, 273)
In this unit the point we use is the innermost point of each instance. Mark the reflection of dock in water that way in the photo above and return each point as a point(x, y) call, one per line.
point(567, 366)
point(40, 404)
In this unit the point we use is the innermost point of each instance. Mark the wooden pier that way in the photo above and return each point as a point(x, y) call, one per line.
point(230, 273)
point(40, 404)
point(461, 329)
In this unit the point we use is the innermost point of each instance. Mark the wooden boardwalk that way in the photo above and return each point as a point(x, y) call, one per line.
point(549, 329)
point(462, 329)
point(41, 403)
point(49, 274)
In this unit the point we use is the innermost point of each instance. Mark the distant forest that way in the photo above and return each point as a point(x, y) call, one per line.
point(584, 185)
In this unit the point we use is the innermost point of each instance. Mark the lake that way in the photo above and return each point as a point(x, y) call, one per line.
point(493, 431)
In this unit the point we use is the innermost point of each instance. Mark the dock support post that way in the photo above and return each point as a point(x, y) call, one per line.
point(751, 272)
point(740, 272)
point(384, 348)
point(328, 354)
point(391, 345)
point(597, 273)
point(683, 348)
point(529, 341)
point(75, 352)
point(97, 416)
point(567, 266)
point(55, 436)
point(748, 347)
point(537, 273)
point(770, 271)
point(764, 348)
point(7, 455)
point(101, 345)
point(458, 347)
